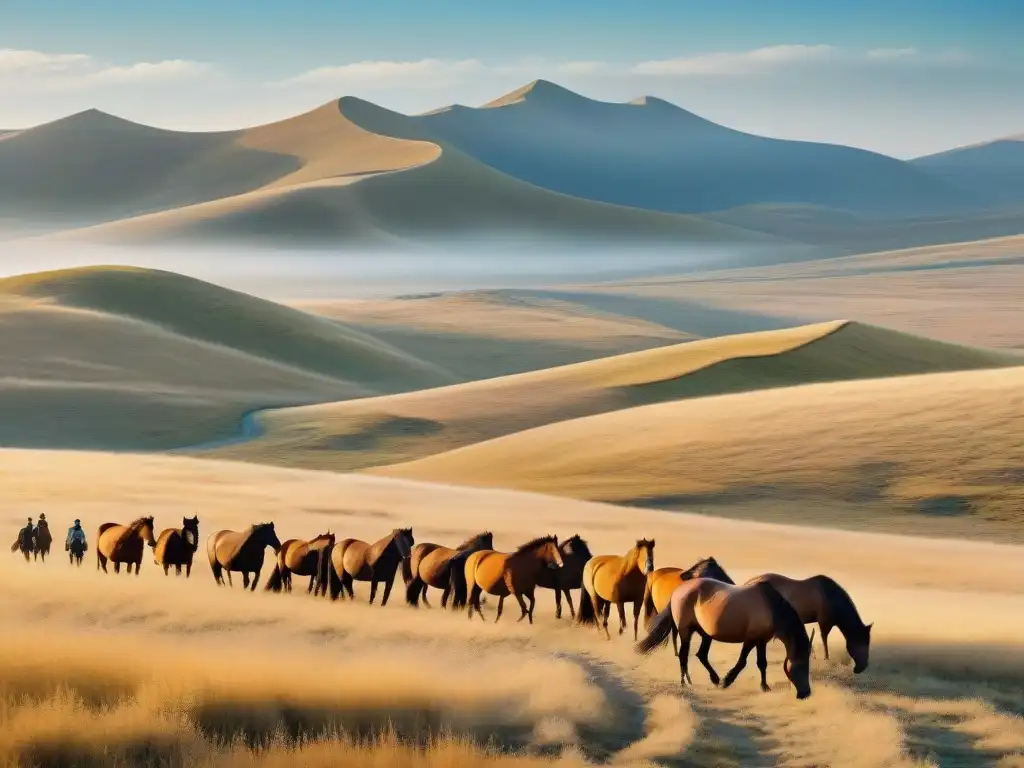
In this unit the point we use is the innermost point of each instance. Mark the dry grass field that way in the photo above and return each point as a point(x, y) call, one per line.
point(167, 672)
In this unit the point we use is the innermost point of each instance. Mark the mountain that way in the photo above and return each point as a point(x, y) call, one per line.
point(651, 154)
point(992, 170)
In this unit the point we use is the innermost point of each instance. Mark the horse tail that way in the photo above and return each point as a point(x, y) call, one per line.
point(659, 633)
point(649, 607)
point(334, 583)
point(412, 591)
point(16, 546)
point(276, 581)
point(407, 575)
point(586, 613)
point(459, 584)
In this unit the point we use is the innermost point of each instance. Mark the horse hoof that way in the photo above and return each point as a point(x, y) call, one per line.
point(765, 687)
point(715, 680)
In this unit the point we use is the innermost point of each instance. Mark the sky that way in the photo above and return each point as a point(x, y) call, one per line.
point(902, 77)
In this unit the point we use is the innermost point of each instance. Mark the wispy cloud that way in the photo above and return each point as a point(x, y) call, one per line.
point(887, 54)
point(736, 63)
point(39, 70)
point(386, 73)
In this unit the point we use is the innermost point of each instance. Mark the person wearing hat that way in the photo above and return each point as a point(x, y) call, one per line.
point(26, 540)
point(75, 544)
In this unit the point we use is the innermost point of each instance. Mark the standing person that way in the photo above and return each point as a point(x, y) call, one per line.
point(75, 544)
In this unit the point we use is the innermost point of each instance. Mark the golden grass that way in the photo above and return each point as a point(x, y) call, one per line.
point(375, 431)
point(167, 671)
point(939, 444)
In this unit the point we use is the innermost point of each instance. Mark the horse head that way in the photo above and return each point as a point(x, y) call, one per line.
point(268, 536)
point(551, 553)
point(858, 646)
point(404, 541)
point(190, 531)
point(146, 530)
point(645, 555)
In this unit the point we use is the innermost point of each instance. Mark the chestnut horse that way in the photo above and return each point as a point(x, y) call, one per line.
point(616, 579)
point(241, 551)
point(502, 574)
point(752, 614)
point(820, 600)
point(301, 557)
point(663, 582)
point(123, 544)
point(43, 539)
point(575, 554)
point(353, 560)
point(177, 546)
point(432, 565)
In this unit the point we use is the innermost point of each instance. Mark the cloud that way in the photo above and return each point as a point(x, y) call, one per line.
point(736, 63)
point(37, 70)
point(385, 73)
point(892, 53)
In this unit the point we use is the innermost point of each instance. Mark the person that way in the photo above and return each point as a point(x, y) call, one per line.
point(75, 542)
point(26, 540)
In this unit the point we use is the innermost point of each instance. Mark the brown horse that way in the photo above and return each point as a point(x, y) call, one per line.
point(177, 546)
point(820, 600)
point(301, 557)
point(501, 574)
point(241, 551)
point(123, 544)
point(575, 554)
point(751, 614)
point(616, 579)
point(43, 539)
point(432, 565)
point(663, 582)
point(353, 560)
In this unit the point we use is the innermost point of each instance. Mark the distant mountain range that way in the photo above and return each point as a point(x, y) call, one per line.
point(539, 163)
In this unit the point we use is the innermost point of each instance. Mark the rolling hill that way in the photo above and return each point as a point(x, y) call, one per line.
point(130, 359)
point(375, 431)
point(652, 154)
point(993, 170)
point(943, 444)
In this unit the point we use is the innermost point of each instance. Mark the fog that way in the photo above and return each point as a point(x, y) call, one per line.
point(305, 273)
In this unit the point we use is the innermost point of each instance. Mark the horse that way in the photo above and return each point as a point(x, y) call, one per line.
point(177, 546)
point(663, 582)
point(575, 554)
point(432, 565)
point(353, 560)
point(241, 551)
point(43, 540)
point(123, 544)
point(26, 541)
point(301, 557)
point(752, 614)
point(76, 552)
point(611, 579)
point(821, 600)
point(502, 574)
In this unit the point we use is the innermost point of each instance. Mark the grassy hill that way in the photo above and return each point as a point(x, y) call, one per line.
point(993, 170)
point(945, 445)
point(375, 431)
point(129, 358)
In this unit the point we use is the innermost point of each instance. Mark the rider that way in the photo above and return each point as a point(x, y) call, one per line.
point(26, 537)
point(75, 534)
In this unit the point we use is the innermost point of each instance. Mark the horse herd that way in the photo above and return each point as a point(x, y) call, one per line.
point(677, 602)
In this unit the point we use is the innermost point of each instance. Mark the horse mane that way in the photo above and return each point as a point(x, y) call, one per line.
point(535, 544)
point(845, 612)
point(785, 617)
point(133, 527)
point(699, 570)
point(629, 559)
point(322, 537)
point(577, 540)
point(472, 540)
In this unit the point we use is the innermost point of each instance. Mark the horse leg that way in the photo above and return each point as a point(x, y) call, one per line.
point(568, 599)
point(702, 657)
point(245, 579)
point(255, 579)
point(824, 630)
point(637, 606)
point(373, 590)
point(606, 608)
point(522, 607)
point(621, 605)
point(346, 582)
point(558, 603)
point(101, 561)
point(684, 658)
point(188, 569)
point(762, 665)
point(533, 602)
point(474, 602)
point(312, 582)
point(387, 590)
point(741, 662)
point(177, 570)
point(117, 567)
point(167, 570)
point(501, 606)
point(423, 596)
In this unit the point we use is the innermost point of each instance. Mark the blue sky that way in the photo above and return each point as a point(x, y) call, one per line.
point(904, 77)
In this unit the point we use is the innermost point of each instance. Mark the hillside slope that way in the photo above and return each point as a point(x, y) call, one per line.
point(936, 444)
point(993, 170)
point(654, 155)
point(119, 358)
point(380, 430)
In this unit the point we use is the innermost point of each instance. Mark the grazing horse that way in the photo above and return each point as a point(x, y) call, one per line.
point(177, 546)
point(432, 565)
point(501, 574)
point(575, 554)
point(43, 539)
point(301, 557)
point(616, 579)
point(663, 582)
point(752, 614)
point(353, 560)
point(820, 600)
point(241, 551)
point(123, 544)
